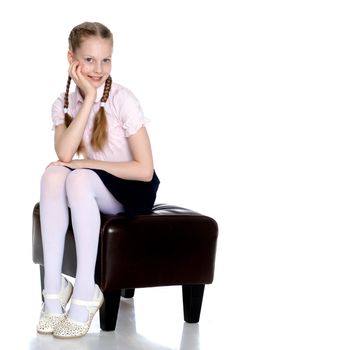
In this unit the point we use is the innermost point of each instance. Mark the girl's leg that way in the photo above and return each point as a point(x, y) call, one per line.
point(54, 223)
point(87, 196)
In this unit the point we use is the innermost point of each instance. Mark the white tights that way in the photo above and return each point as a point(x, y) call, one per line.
point(83, 191)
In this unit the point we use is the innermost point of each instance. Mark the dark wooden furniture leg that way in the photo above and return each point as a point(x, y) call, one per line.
point(128, 293)
point(109, 310)
point(192, 296)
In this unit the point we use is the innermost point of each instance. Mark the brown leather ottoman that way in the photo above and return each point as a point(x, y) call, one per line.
point(170, 246)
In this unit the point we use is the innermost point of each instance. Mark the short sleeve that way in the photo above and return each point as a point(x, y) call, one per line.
point(57, 113)
point(131, 113)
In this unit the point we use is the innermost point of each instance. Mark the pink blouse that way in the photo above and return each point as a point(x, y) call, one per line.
point(124, 118)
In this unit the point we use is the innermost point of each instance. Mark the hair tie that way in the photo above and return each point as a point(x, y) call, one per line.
point(65, 110)
point(103, 104)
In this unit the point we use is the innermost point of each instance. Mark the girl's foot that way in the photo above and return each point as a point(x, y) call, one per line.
point(70, 328)
point(49, 320)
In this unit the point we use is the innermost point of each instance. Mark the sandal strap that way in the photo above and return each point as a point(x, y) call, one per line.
point(51, 296)
point(85, 302)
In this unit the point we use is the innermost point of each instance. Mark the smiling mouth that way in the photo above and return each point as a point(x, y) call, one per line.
point(95, 78)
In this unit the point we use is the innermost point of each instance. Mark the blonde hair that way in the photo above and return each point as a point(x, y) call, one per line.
point(77, 35)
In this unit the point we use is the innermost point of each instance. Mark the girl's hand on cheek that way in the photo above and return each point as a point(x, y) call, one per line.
point(85, 84)
point(75, 71)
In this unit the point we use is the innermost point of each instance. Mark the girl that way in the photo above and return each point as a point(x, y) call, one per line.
point(104, 123)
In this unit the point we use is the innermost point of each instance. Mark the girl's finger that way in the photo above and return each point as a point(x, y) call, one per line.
point(52, 163)
point(73, 71)
point(71, 66)
point(79, 71)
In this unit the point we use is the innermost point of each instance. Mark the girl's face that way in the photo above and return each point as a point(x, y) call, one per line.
point(95, 57)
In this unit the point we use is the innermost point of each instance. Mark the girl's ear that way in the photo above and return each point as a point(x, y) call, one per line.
point(70, 56)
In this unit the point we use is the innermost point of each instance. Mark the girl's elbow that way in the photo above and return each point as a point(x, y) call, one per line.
point(148, 175)
point(64, 154)
point(64, 157)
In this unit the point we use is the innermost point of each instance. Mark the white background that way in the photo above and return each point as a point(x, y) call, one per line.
point(249, 102)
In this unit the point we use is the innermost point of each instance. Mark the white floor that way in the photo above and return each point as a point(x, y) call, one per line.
point(153, 319)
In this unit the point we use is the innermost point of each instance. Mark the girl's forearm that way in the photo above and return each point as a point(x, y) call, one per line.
point(132, 170)
point(68, 143)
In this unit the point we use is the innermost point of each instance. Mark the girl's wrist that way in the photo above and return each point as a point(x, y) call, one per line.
point(91, 97)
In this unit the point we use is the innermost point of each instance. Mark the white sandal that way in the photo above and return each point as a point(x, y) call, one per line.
point(69, 328)
point(47, 321)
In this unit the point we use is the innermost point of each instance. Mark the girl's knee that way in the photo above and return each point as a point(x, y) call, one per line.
point(54, 176)
point(79, 182)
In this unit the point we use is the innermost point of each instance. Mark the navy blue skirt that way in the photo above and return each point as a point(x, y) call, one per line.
point(137, 197)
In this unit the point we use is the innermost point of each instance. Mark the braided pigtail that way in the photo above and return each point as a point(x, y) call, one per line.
point(99, 132)
point(67, 117)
